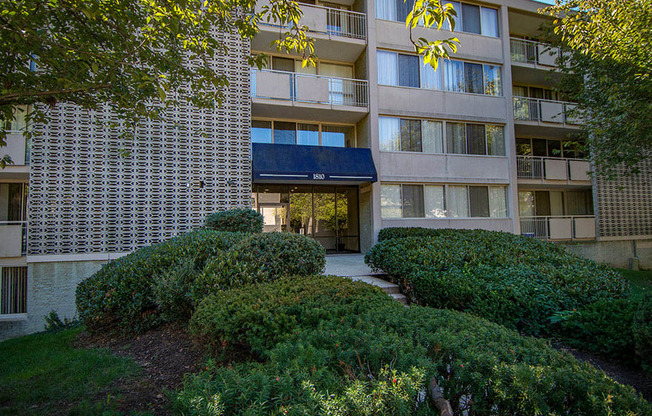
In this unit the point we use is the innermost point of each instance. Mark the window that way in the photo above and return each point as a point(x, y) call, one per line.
point(443, 201)
point(406, 71)
point(470, 18)
point(432, 136)
point(13, 202)
point(307, 134)
point(411, 135)
point(475, 139)
point(495, 140)
point(389, 131)
point(456, 138)
point(412, 201)
point(555, 203)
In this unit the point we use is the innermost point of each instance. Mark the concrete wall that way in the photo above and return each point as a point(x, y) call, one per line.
point(51, 287)
point(615, 253)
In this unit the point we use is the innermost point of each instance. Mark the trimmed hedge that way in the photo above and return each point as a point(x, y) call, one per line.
point(164, 282)
point(327, 345)
point(517, 281)
point(235, 220)
point(121, 293)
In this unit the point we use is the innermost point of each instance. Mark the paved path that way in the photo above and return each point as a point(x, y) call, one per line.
point(353, 267)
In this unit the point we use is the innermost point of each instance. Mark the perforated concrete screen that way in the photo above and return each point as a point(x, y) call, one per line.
point(87, 198)
point(625, 204)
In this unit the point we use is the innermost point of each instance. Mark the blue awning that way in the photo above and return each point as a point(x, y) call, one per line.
point(297, 164)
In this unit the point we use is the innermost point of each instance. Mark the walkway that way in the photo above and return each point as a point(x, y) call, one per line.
point(353, 267)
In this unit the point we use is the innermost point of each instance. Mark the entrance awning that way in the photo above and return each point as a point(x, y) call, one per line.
point(290, 163)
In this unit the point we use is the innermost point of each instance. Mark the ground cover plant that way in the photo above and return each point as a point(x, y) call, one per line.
point(235, 220)
point(164, 282)
point(326, 345)
point(41, 374)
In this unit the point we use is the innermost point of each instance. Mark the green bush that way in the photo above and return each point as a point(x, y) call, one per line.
point(122, 292)
point(235, 220)
point(642, 329)
point(403, 232)
point(603, 327)
point(327, 345)
point(513, 280)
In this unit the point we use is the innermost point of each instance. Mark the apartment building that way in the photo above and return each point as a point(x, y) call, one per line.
point(368, 138)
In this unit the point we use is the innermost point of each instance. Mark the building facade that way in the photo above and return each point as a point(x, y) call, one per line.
point(368, 138)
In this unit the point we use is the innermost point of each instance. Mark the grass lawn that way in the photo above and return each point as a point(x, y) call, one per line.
point(42, 374)
point(641, 281)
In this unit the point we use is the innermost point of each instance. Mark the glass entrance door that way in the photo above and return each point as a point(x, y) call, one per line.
point(329, 214)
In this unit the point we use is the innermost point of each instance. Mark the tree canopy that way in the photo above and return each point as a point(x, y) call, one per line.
point(608, 72)
point(140, 56)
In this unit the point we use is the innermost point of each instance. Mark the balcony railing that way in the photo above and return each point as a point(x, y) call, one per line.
point(329, 21)
point(531, 52)
point(13, 291)
point(308, 88)
point(566, 227)
point(545, 111)
point(551, 168)
point(14, 238)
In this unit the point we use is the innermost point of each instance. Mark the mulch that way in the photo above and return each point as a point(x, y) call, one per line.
point(165, 354)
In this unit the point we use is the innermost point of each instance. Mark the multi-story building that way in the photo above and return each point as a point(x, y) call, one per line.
point(368, 138)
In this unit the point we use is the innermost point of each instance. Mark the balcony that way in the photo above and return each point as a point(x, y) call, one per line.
point(545, 112)
point(533, 53)
point(14, 238)
point(309, 97)
point(559, 228)
point(18, 150)
point(339, 34)
point(552, 169)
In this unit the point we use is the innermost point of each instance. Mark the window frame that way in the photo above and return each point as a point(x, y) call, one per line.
point(320, 130)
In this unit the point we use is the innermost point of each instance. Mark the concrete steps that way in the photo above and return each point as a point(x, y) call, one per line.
point(390, 288)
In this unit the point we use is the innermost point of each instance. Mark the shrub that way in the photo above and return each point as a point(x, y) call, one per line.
point(516, 281)
point(282, 254)
point(603, 327)
point(122, 291)
point(327, 345)
point(172, 290)
point(235, 220)
point(642, 329)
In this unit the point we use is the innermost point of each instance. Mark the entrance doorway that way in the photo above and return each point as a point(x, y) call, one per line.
point(329, 214)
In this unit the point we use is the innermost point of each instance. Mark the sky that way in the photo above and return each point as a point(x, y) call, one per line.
point(547, 1)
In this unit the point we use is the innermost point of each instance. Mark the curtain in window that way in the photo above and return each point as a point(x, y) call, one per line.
point(475, 139)
point(308, 134)
point(458, 204)
point(413, 201)
point(456, 138)
point(387, 68)
point(578, 203)
point(435, 204)
point(493, 82)
point(386, 9)
point(497, 202)
point(411, 135)
point(432, 137)
point(390, 201)
point(430, 78)
point(496, 140)
point(479, 201)
point(556, 203)
point(526, 203)
point(473, 78)
point(408, 70)
point(489, 20)
point(453, 75)
point(389, 132)
point(457, 19)
point(470, 18)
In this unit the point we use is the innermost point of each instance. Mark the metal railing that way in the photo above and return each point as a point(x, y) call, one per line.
point(13, 290)
point(308, 88)
point(538, 167)
point(329, 21)
point(345, 23)
point(547, 111)
point(559, 227)
point(532, 52)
